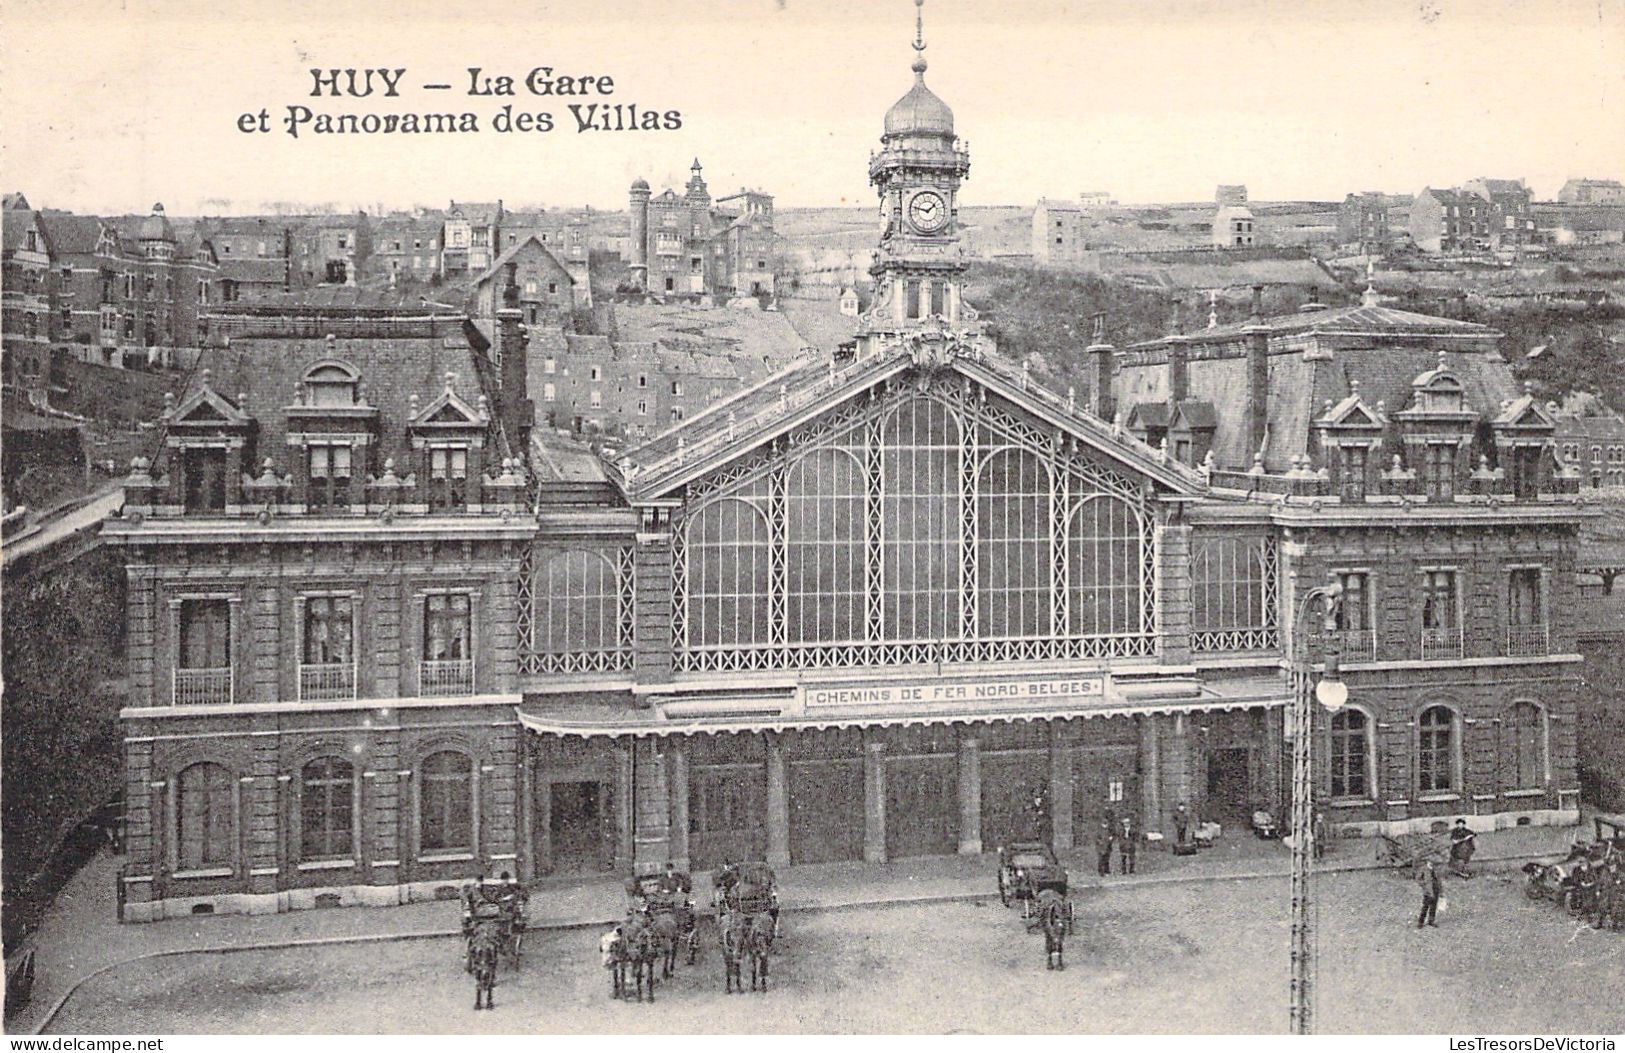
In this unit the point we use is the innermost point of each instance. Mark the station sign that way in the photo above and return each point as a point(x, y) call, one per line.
point(1044, 690)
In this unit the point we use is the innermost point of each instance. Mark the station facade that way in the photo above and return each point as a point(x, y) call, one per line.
point(867, 609)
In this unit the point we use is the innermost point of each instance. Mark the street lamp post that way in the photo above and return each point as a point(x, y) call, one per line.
point(1331, 692)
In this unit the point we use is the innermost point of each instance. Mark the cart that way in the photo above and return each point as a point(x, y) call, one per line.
point(1017, 863)
point(1409, 851)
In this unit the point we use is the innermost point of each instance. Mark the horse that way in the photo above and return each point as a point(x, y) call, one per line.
point(637, 947)
point(667, 933)
point(731, 935)
point(742, 935)
point(483, 946)
point(1049, 907)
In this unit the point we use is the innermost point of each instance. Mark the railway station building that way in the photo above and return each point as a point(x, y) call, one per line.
point(381, 642)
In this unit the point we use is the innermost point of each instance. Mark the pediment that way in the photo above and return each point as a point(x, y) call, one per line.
point(208, 408)
point(804, 405)
point(1352, 413)
point(451, 410)
point(1525, 413)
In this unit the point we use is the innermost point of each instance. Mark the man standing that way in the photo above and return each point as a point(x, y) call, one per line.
point(1182, 823)
point(1103, 845)
point(1427, 876)
point(1461, 848)
point(1128, 844)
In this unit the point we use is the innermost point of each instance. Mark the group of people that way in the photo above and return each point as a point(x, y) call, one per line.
point(1596, 889)
point(1463, 842)
point(1123, 833)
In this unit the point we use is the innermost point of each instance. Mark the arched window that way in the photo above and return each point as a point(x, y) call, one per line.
point(1436, 760)
point(331, 384)
point(1528, 744)
point(920, 522)
point(1104, 561)
point(728, 573)
point(1351, 754)
point(824, 565)
point(1013, 561)
point(446, 803)
point(578, 596)
point(205, 816)
point(326, 809)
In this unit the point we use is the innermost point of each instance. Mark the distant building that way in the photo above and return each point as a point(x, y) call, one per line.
point(1058, 233)
point(1230, 194)
point(1362, 219)
point(1233, 227)
point(1592, 192)
point(849, 302)
point(1449, 221)
point(1576, 224)
point(256, 256)
point(331, 250)
point(471, 237)
point(1511, 225)
point(1594, 446)
point(568, 236)
point(25, 306)
point(1091, 199)
point(128, 297)
point(406, 247)
point(688, 245)
point(545, 287)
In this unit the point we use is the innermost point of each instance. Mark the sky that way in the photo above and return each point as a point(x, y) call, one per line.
point(111, 105)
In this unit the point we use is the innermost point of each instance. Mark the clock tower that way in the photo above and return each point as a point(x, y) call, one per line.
point(920, 266)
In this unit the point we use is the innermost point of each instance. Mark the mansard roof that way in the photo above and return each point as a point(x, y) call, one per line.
point(259, 377)
point(814, 386)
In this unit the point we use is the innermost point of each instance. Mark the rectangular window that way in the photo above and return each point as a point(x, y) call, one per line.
point(596, 399)
point(1523, 465)
point(1439, 600)
point(677, 388)
point(1439, 470)
point(1351, 754)
point(203, 653)
point(204, 815)
point(1351, 473)
point(939, 298)
point(549, 393)
point(549, 366)
point(595, 374)
point(448, 477)
point(448, 655)
point(911, 297)
point(329, 485)
point(1526, 613)
point(204, 479)
point(327, 666)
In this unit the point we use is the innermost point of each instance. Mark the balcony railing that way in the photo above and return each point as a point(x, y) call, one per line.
point(202, 687)
point(326, 682)
point(1441, 644)
point(1527, 640)
point(1354, 645)
point(446, 678)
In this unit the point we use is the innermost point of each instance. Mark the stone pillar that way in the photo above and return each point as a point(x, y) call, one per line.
point(677, 787)
point(970, 796)
point(1274, 747)
point(778, 804)
point(1060, 785)
point(1175, 761)
point(874, 801)
point(1151, 775)
point(524, 822)
point(1174, 595)
point(623, 804)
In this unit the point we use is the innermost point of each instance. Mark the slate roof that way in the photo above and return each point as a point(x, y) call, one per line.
point(513, 250)
point(272, 270)
point(1601, 429)
point(67, 234)
point(268, 370)
point(479, 213)
point(1358, 319)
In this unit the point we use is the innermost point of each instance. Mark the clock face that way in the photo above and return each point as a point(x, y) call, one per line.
point(928, 211)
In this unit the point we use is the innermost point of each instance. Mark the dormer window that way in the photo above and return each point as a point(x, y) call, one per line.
point(331, 384)
point(329, 470)
point(1439, 470)
point(448, 477)
point(204, 477)
point(1351, 472)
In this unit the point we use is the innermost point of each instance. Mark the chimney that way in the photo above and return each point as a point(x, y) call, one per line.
point(1258, 373)
point(1103, 406)
point(515, 409)
point(1179, 381)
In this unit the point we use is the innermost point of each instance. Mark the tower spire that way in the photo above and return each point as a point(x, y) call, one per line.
point(919, 39)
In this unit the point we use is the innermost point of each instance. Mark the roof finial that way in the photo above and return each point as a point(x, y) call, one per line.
point(919, 38)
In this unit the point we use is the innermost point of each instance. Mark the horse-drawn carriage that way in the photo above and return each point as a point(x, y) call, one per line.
point(1586, 881)
point(1027, 868)
point(665, 899)
point(498, 912)
point(746, 899)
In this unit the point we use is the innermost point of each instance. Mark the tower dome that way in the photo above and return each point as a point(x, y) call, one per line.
point(640, 183)
point(919, 112)
point(156, 227)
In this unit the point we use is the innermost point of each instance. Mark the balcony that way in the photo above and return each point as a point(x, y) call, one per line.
point(202, 687)
point(1524, 641)
point(1354, 645)
point(1441, 644)
point(446, 678)
point(326, 682)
